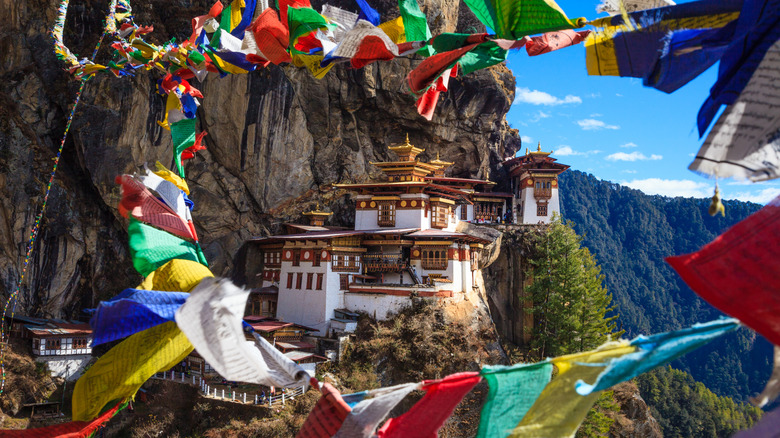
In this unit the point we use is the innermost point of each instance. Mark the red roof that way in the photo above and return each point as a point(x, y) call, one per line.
point(60, 329)
point(270, 326)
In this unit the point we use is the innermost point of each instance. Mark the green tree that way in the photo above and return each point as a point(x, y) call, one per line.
point(570, 304)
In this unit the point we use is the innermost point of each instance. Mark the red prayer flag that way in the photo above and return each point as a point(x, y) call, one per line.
point(73, 429)
point(427, 416)
point(738, 271)
point(271, 36)
point(326, 417)
point(139, 201)
point(426, 104)
point(371, 49)
point(554, 40)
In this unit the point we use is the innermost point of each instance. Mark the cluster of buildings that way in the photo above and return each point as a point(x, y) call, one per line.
point(309, 285)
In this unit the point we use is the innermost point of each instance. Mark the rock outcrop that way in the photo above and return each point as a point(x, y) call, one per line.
point(277, 140)
point(634, 420)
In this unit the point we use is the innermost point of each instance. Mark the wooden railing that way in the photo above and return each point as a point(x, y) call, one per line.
point(384, 262)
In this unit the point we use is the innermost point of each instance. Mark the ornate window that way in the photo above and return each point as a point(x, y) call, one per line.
point(348, 262)
point(439, 215)
point(386, 214)
point(296, 261)
point(434, 258)
point(541, 209)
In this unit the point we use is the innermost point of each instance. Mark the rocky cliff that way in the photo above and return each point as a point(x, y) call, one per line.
point(277, 140)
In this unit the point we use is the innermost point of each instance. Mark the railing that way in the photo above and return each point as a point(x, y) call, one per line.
point(542, 193)
point(384, 262)
point(231, 395)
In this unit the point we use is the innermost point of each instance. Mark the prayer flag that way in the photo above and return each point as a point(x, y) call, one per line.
point(426, 417)
point(415, 24)
point(177, 275)
point(757, 30)
point(619, 49)
point(132, 311)
point(375, 405)
point(559, 410)
point(212, 320)
point(142, 205)
point(395, 30)
point(120, 372)
point(554, 40)
point(656, 350)
point(152, 248)
point(183, 135)
point(271, 37)
point(303, 21)
point(326, 417)
point(167, 175)
point(514, 19)
point(512, 391)
point(363, 45)
point(168, 192)
point(737, 272)
point(744, 142)
point(72, 429)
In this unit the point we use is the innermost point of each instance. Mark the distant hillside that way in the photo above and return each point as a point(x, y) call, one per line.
point(630, 233)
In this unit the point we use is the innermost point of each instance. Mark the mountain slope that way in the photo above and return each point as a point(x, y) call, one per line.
point(630, 233)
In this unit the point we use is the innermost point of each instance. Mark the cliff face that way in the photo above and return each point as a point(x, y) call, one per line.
point(277, 139)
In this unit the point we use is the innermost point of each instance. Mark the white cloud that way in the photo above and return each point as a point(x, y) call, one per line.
point(618, 95)
point(536, 97)
point(628, 171)
point(526, 139)
point(595, 125)
point(566, 150)
point(630, 144)
point(539, 116)
point(633, 156)
point(671, 187)
point(761, 197)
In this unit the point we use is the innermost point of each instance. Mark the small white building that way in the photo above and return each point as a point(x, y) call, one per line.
point(535, 186)
point(65, 347)
point(404, 244)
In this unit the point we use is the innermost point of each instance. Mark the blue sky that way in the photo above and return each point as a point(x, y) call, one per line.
point(614, 127)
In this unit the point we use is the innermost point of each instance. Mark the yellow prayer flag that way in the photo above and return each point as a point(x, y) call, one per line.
point(312, 62)
point(395, 30)
point(121, 372)
point(177, 275)
point(559, 410)
point(167, 175)
point(171, 103)
point(235, 13)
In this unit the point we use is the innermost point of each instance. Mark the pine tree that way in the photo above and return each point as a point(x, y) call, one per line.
point(570, 303)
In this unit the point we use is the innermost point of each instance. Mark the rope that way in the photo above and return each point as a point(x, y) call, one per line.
point(36, 226)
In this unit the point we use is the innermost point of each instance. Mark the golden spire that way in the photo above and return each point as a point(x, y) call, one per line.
point(539, 147)
point(407, 140)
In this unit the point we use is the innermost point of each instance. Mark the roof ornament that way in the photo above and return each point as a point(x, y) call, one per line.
point(539, 147)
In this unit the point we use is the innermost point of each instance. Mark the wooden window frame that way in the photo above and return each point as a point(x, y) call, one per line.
point(434, 259)
point(541, 209)
point(299, 280)
point(344, 281)
point(316, 259)
point(439, 215)
point(289, 280)
point(345, 262)
point(309, 280)
point(296, 257)
point(464, 212)
point(319, 281)
point(385, 213)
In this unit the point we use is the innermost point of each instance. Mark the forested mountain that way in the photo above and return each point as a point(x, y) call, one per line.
point(630, 233)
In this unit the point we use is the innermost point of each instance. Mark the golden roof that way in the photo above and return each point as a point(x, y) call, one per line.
point(538, 151)
point(317, 212)
point(406, 148)
point(439, 162)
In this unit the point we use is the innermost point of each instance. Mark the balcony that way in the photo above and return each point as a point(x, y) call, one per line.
point(393, 262)
point(542, 192)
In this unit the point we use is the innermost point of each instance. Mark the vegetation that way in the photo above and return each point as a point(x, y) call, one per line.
point(685, 407)
point(630, 233)
point(569, 302)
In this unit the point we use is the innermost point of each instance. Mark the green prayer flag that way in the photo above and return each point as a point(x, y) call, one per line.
point(224, 25)
point(302, 21)
point(415, 24)
point(183, 135)
point(450, 41)
point(152, 248)
point(482, 56)
point(511, 392)
point(514, 19)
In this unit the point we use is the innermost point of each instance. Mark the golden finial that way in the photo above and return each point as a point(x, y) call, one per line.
point(716, 206)
point(407, 139)
point(526, 151)
point(437, 156)
point(539, 147)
